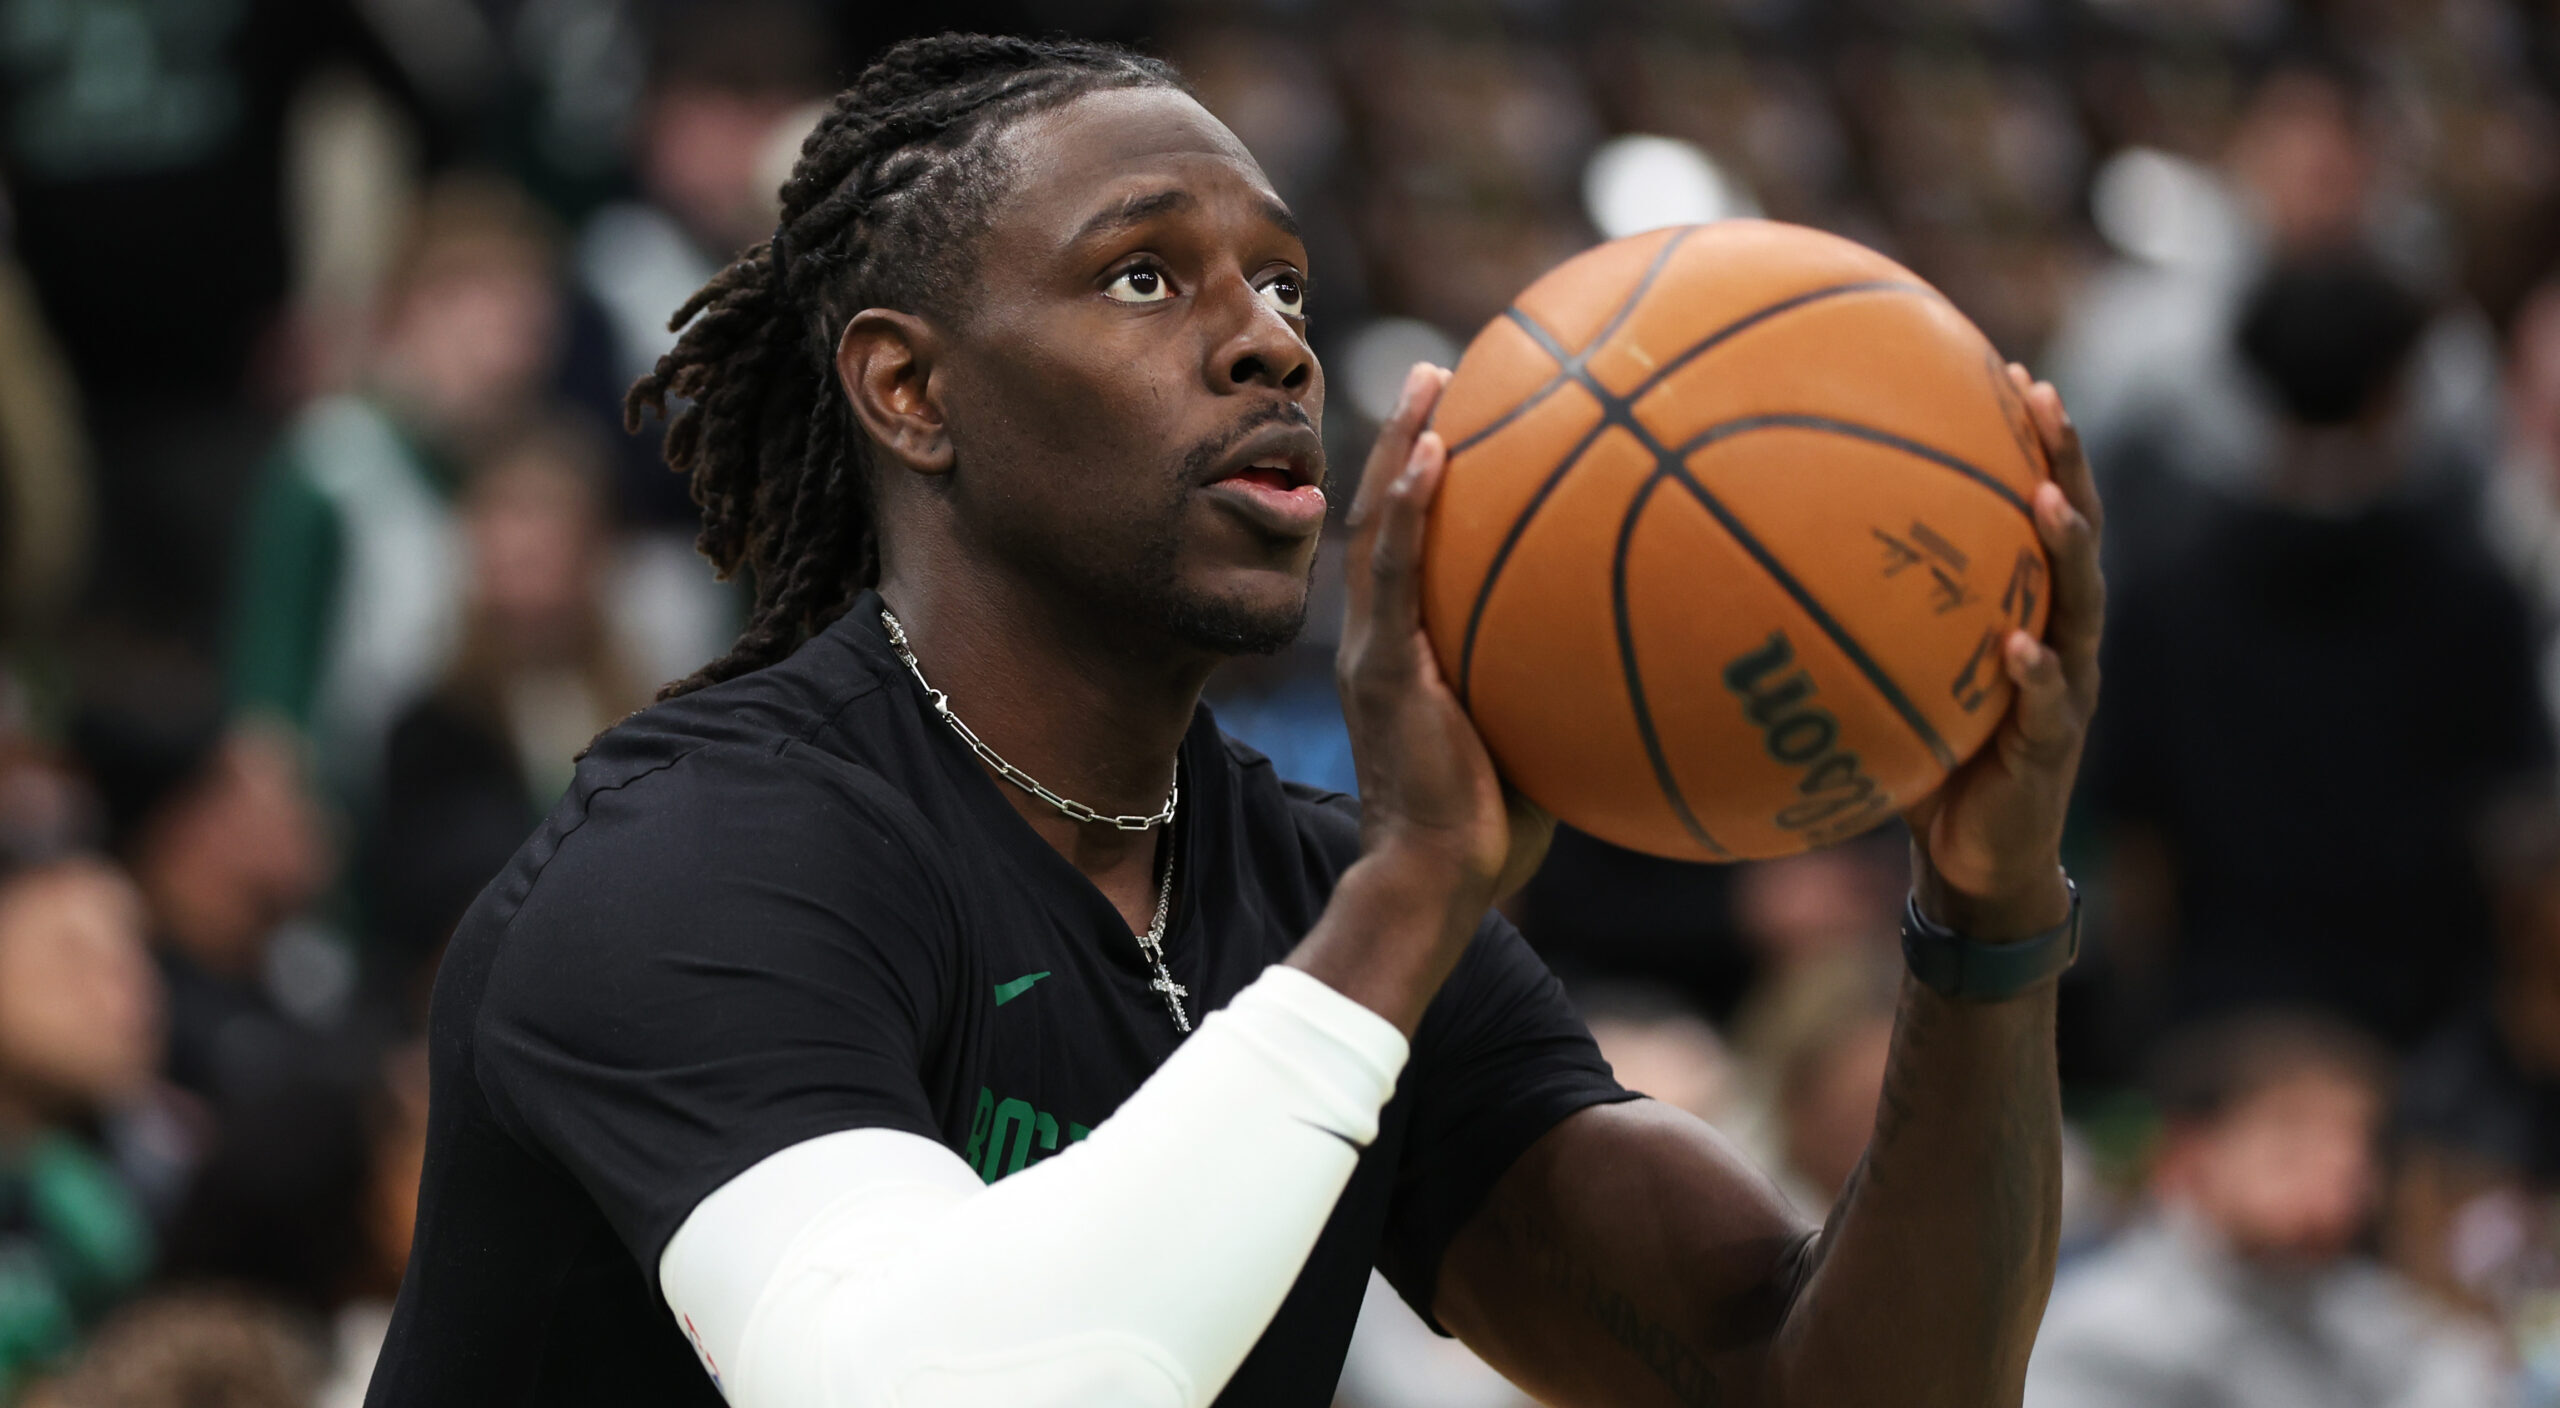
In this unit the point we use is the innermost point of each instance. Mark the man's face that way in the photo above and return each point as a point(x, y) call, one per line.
point(2288, 1173)
point(1132, 407)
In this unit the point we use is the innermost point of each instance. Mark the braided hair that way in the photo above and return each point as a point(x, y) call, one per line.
point(881, 211)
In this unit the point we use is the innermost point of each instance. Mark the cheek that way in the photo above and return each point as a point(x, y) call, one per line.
point(1091, 440)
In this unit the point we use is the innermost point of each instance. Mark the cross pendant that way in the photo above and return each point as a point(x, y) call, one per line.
point(1173, 994)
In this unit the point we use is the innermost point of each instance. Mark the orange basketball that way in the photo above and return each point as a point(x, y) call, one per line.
point(1735, 521)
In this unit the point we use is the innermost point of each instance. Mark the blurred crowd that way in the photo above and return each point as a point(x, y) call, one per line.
point(326, 551)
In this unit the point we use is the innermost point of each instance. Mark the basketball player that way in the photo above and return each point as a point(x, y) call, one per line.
point(927, 1006)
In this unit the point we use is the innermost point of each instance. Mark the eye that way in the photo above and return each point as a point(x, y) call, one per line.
point(1144, 283)
point(1287, 292)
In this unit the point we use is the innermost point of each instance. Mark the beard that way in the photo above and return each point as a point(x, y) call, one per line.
point(1153, 588)
point(1126, 571)
point(1194, 618)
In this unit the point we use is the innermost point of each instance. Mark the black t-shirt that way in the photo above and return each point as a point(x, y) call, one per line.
point(794, 904)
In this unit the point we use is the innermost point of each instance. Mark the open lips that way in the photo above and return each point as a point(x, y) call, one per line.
point(1272, 478)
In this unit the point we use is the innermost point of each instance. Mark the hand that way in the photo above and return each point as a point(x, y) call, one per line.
point(1427, 785)
point(1986, 847)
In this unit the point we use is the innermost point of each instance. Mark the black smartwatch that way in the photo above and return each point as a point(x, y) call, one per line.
point(1970, 970)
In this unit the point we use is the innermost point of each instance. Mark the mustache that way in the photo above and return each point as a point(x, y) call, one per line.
point(1202, 459)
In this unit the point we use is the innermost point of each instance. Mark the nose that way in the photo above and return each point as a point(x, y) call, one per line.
point(1261, 351)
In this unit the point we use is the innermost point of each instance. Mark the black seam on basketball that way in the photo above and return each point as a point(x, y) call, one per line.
point(1555, 349)
point(1839, 634)
point(1527, 404)
point(1510, 540)
point(1696, 350)
point(1791, 421)
point(1662, 774)
point(1749, 321)
point(1566, 365)
point(1607, 330)
point(1621, 411)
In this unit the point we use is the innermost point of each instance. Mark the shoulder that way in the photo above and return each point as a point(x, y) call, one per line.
point(1326, 823)
point(727, 806)
point(695, 820)
point(727, 886)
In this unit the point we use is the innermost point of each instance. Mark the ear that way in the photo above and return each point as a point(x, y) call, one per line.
point(885, 362)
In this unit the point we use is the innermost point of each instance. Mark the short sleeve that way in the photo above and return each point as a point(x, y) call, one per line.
point(729, 955)
point(1500, 1059)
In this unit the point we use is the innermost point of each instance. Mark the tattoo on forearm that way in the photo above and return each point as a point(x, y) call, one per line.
point(1913, 1025)
point(1662, 1351)
point(2013, 1238)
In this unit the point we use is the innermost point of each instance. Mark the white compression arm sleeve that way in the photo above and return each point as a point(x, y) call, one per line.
point(872, 1268)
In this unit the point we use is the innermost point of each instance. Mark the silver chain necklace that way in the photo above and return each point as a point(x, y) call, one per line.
point(1075, 810)
point(1150, 943)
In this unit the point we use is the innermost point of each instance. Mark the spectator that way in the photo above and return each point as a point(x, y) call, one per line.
point(144, 153)
point(79, 1032)
point(473, 765)
point(349, 593)
point(1818, 924)
point(2476, 1196)
point(1826, 1076)
point(2241, 1285)
point(221, 834)
point(2522, 501)
point(191, 1349)
point(728, 86)
point(2277, 730)
point(396, 1153)
point(1660, 1046)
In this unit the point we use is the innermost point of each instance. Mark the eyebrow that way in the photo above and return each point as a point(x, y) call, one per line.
point(1139, 209)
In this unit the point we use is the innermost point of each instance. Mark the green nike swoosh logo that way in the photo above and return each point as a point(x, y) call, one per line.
point(1007, 992)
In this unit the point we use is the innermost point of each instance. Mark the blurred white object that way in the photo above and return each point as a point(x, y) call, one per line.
point(640, 266)
point(1379, 356)
point(1397, 1362)
point(781, 152)
point(666, 608)
point(1637, 183)
point(2166, 209)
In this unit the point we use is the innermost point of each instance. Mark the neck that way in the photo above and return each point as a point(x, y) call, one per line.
point(1096, 714)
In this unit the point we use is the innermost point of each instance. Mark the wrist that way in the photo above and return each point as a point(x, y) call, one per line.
point(2005, 915)
point(1416, 880)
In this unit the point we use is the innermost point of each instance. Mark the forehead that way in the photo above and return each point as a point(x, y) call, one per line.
point(1094, 151)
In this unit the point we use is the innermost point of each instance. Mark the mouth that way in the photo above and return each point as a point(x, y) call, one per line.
point(1275, 478)
point(1281, 456)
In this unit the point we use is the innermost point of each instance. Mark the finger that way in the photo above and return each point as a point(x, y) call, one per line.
point(1421, 393)
point(2043, 725)
point(2063, 451)
point(2079, 613)
point(1394, 607)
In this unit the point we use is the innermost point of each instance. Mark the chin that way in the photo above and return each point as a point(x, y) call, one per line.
point(1239, 622)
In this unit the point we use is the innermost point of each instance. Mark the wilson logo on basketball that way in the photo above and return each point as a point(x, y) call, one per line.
point(1838, 799)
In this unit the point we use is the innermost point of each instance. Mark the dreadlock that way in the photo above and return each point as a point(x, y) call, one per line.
point(881, 211)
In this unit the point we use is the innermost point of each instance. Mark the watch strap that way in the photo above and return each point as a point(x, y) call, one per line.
point(1972, 970)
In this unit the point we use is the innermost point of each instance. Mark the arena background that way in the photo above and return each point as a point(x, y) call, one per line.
point(326, 552)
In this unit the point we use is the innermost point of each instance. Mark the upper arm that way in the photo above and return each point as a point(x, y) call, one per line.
point(1499, 1060)
point(1630, 1256)
point(727, 957)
